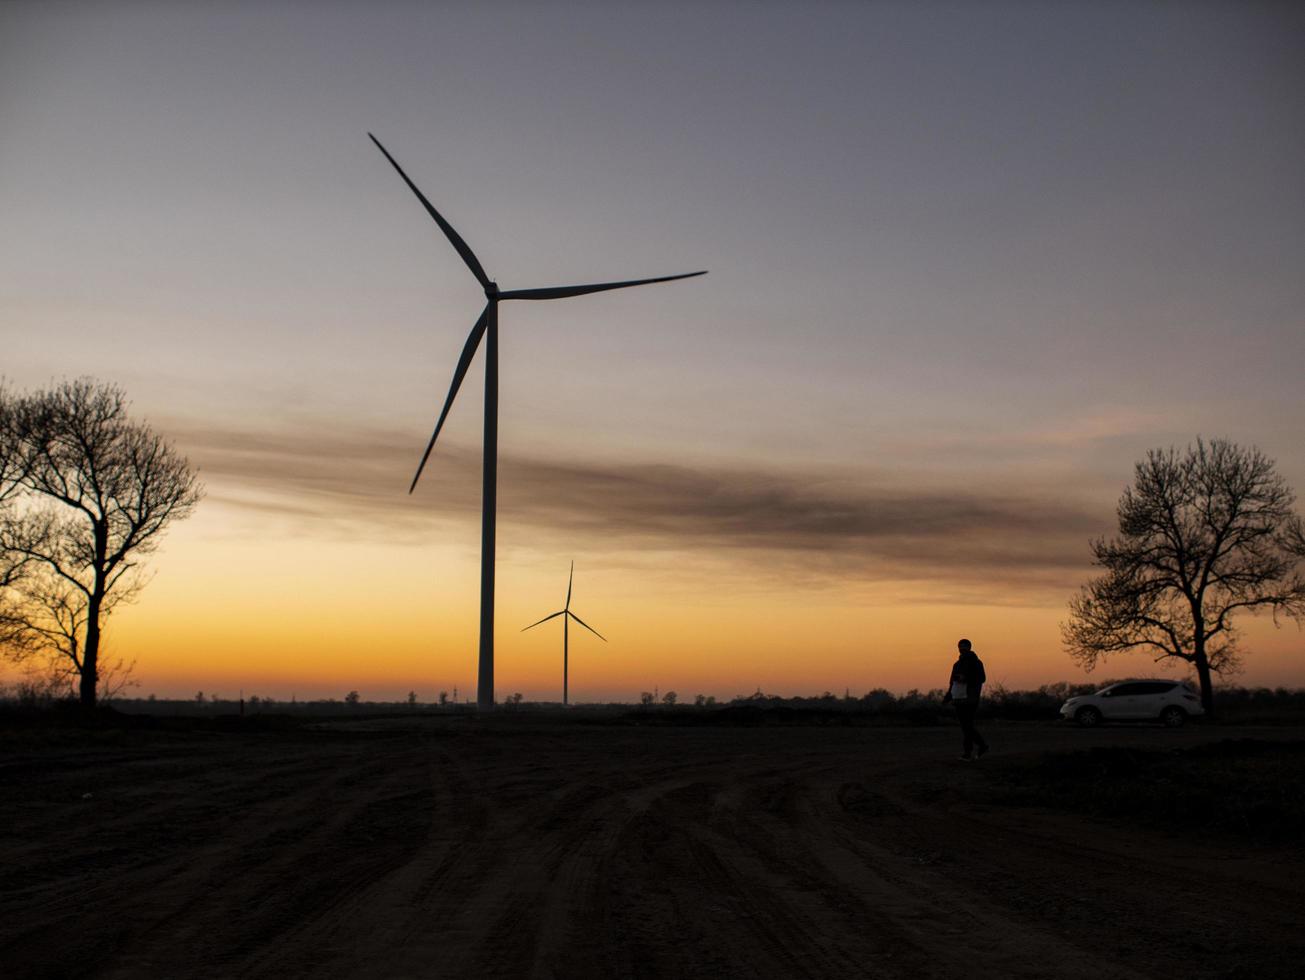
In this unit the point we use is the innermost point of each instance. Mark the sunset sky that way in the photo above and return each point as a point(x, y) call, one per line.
point(968, 262)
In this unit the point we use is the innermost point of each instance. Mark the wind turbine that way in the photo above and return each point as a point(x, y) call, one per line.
point(488, 325)
point(567, 615)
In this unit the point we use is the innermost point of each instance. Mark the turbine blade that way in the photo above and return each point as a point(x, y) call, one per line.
point(545, 620)
point(562, 292)
point(464, 362)
point(585, 625)
point(468, 256)
point(568, 585)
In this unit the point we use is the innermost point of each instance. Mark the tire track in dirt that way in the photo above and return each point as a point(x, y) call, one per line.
point(948, 928)
point(522, 896)
point(129, 877)
point(191, 908)
point(1087, 885)
point(771, 864)
point(718, 911)
point(290, 859)
point(488, 868)
point(573, 853)
point(379, 928)
point(544, 861)
point(1089, 882)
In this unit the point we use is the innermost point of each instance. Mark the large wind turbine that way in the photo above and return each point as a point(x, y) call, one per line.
point(488, 325)
point(567, 615)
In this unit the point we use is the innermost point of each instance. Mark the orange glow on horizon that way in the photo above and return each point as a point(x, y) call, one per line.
point(320, 618)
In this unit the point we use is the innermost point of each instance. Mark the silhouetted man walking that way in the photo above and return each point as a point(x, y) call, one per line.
point(964, 689)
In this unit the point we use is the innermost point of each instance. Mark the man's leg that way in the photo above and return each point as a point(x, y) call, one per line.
point(979, 740)
point(965, 712)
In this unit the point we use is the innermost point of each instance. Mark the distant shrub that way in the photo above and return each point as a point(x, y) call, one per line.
point(36, 692)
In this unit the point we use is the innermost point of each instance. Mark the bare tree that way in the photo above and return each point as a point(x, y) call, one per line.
point(1203, 535)
point(87, 493)
point(14, 566)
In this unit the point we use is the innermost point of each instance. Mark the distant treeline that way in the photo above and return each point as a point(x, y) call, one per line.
point(1246, 705)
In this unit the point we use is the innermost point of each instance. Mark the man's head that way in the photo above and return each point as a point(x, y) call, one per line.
point(963, 646)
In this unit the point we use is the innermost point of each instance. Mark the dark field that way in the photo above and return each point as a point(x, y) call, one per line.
point(529, 847)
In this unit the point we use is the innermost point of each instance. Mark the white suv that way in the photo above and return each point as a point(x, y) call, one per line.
point(1170, 702)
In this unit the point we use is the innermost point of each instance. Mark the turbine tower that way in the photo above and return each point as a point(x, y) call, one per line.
point(487, 326)
point(567, 615)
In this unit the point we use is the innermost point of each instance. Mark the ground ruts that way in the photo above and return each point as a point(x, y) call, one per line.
point(435, 848)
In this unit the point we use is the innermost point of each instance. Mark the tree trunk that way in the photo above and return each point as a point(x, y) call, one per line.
point(91, 650)
point(91, 656)
point(1203, 675)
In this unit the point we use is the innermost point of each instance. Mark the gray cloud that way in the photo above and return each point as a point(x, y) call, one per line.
point(823, 524)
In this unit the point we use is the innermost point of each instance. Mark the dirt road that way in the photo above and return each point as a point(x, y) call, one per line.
point(577, 851)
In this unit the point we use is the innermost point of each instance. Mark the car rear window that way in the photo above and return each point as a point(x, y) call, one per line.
point(1157, 687)
point(1125, 690)
point(1142, 687)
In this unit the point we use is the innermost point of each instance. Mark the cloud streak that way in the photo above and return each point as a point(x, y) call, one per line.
point(826, 524)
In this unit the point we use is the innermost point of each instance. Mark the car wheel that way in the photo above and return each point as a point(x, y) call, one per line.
point(1088, 717)
point(1173, 716)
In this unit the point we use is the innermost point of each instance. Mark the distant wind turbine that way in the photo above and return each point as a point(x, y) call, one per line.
point(488, 325)
point(566, 614)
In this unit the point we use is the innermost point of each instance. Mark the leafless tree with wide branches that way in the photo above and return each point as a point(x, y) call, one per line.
point(1203, 535)
point(85, 493)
